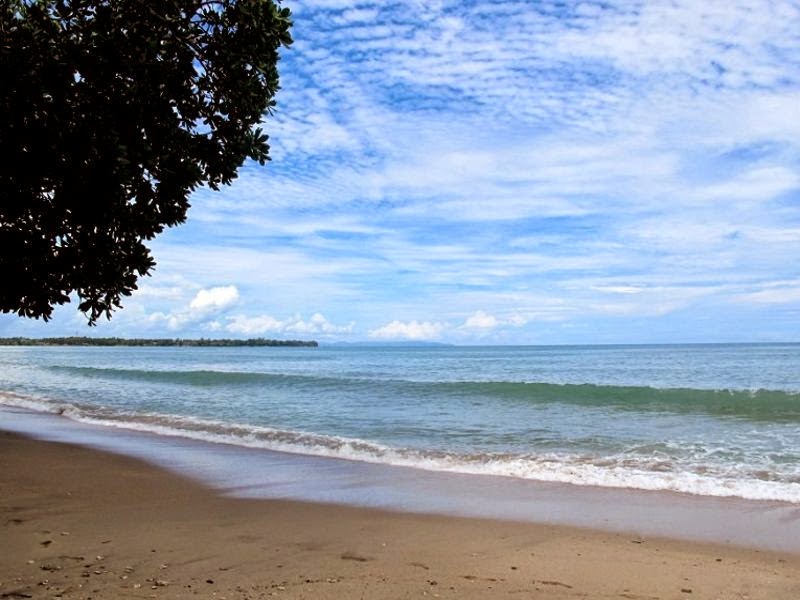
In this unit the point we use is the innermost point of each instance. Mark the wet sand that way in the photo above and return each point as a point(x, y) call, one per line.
point(78, 523)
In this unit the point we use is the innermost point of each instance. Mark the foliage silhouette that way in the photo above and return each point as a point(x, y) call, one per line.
point(114, 111)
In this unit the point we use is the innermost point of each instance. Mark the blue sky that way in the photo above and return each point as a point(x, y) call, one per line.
point(503, 172)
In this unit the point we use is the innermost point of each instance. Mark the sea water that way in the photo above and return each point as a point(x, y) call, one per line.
point(712, 420)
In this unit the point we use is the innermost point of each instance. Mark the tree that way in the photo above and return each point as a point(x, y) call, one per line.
point(111, 113)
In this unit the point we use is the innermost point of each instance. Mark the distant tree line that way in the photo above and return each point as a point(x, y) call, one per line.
point(116, 341)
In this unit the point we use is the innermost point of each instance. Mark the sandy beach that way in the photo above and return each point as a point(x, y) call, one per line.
point(77, 523)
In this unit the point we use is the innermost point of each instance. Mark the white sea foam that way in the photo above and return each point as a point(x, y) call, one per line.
point(610, 471)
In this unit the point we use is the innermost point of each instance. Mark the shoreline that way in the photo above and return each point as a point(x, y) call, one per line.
point(255, 473)
point(549, 470)
point(79, 522)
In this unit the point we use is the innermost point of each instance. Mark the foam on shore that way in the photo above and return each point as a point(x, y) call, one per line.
point(649, 472)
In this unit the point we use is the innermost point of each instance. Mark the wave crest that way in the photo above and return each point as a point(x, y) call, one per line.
point(778, 406)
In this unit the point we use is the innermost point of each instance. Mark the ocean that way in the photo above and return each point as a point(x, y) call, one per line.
point(708, 420)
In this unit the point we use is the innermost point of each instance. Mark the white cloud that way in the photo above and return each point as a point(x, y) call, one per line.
point(412, 330)
point(215, 298)
point(481, 320)
point(206, 302)
point(261, 324)
point(317, 324)
point(780, 292)
point(256, 325)
point(163, 292)
point(172, 321)
point(618, 289)
point(756, 185)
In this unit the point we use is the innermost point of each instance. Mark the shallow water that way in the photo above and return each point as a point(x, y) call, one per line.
point(238, 471)
point(713, 420)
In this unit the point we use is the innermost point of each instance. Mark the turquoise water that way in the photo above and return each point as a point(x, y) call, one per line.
point(720, 420)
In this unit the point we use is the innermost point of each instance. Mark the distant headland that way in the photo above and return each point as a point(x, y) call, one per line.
point(116, 341)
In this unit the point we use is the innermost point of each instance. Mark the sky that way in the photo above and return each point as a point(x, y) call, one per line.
point(502, 172)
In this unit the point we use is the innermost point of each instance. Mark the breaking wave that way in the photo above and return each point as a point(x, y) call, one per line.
point(645, 471)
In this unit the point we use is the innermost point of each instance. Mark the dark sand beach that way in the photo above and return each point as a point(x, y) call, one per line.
point(78, 523)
